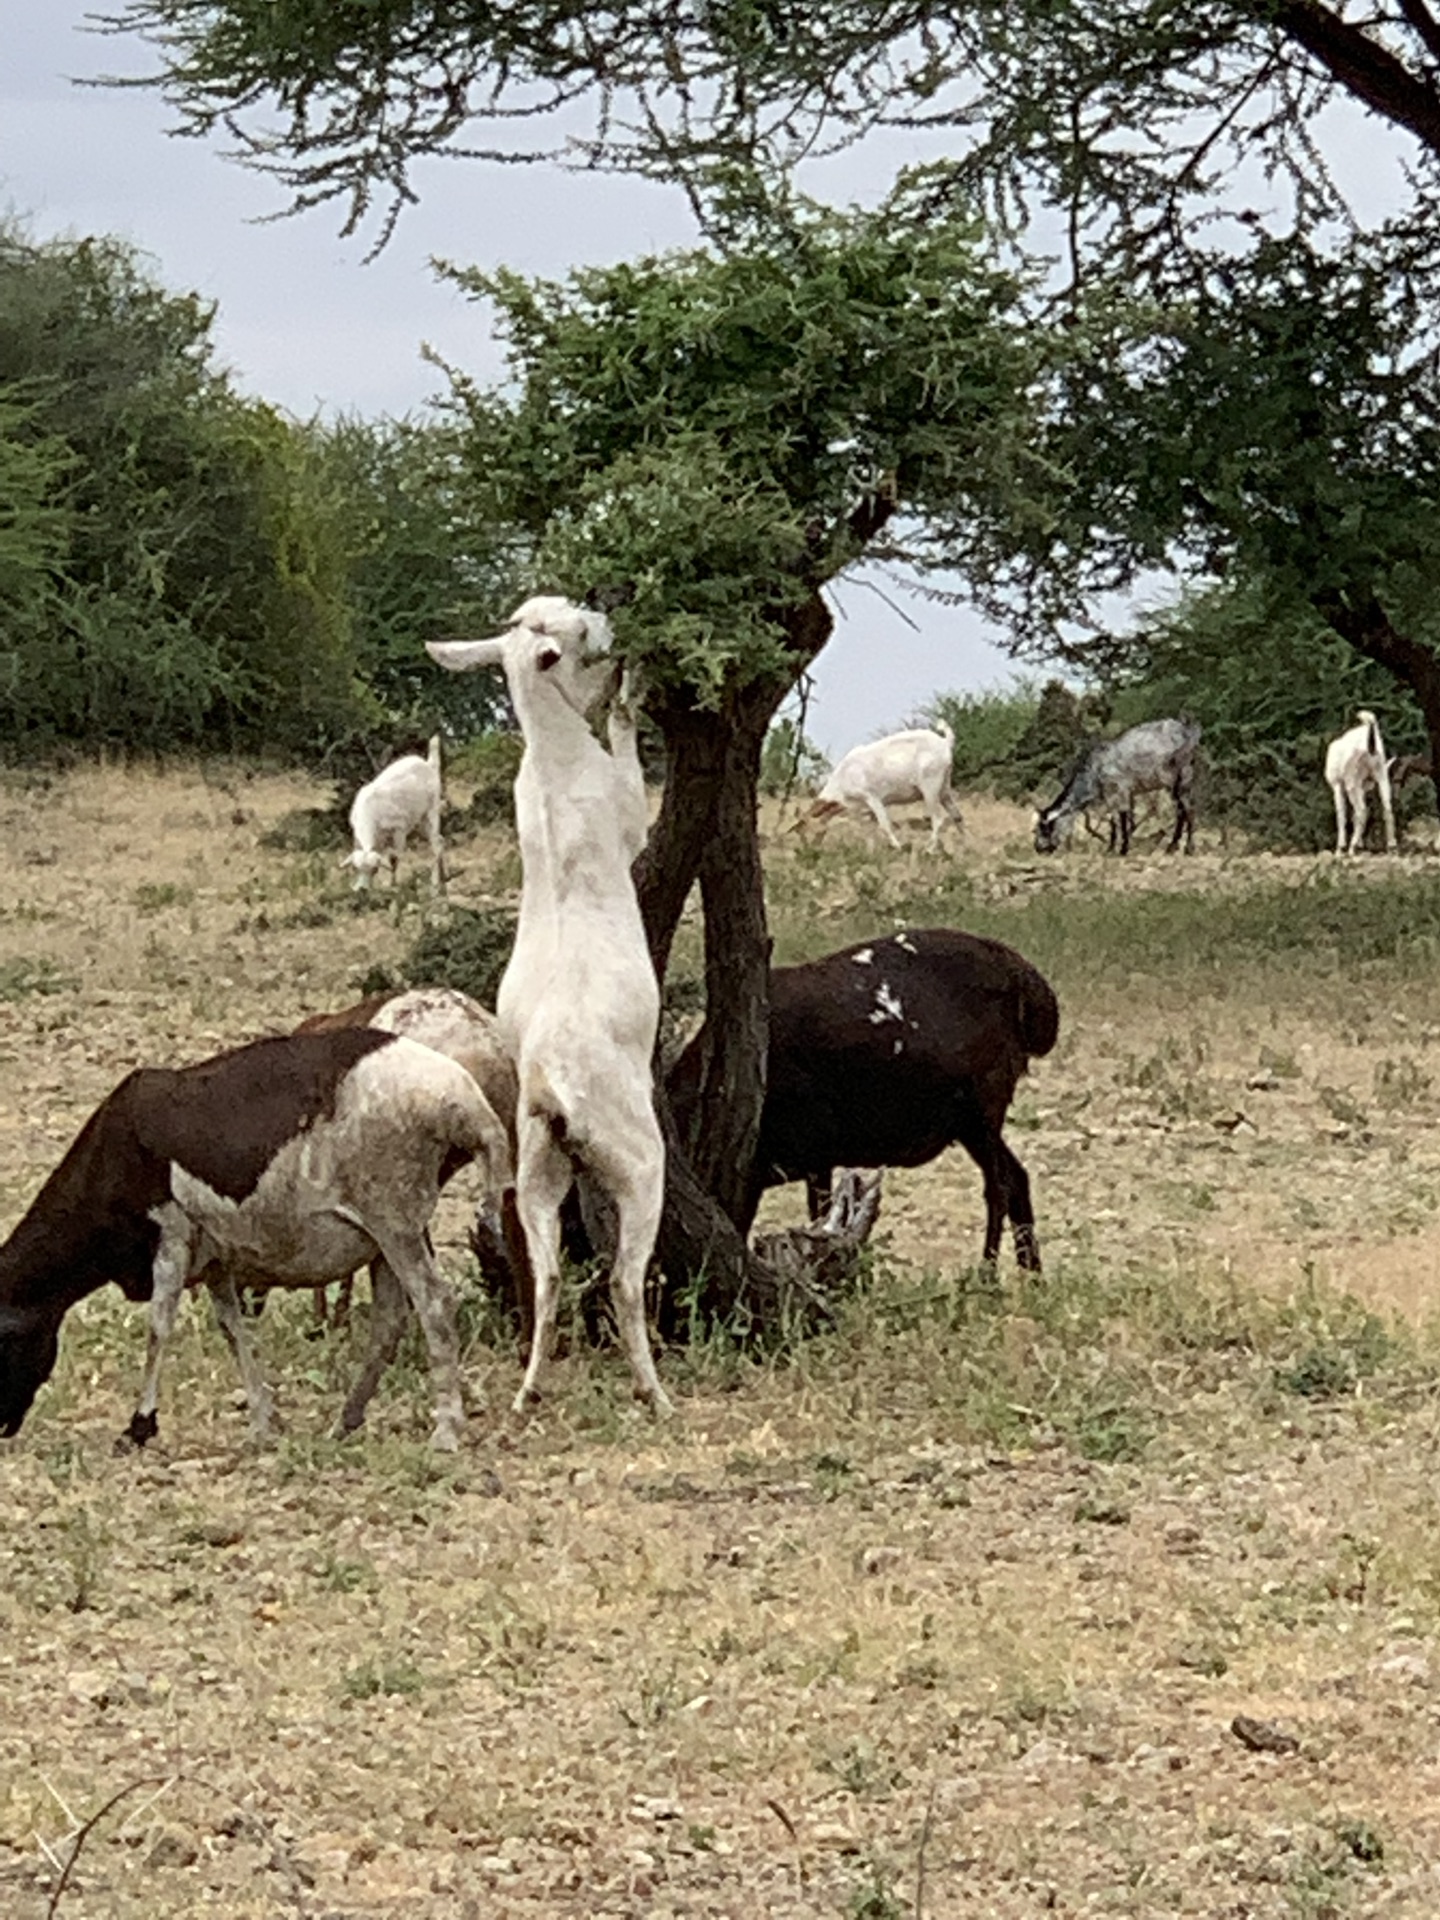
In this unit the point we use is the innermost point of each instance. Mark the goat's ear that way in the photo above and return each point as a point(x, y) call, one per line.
point(459, 656)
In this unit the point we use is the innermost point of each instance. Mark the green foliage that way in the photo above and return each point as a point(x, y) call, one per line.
point(1126, 119)
point(711, 437)
point(469, 950)
point(790, 761)
point(192, 591)
point(418, 566)
point(34, 520)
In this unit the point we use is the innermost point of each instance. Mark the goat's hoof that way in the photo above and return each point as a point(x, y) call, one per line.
point(657, 1400)
point(526, 1400)
point(142, 1429)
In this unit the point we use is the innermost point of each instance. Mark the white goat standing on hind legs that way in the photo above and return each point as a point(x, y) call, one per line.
point(1353, 764)
point(578, 1004)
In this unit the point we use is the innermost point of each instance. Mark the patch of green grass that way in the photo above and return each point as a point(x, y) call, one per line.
point(381, 1676)
point(876, 1898)
point(1334, 924)
point(152, 895)
point(1111, 1361)
point(28, 975)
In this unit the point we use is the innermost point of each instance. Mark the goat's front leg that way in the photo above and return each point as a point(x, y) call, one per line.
point(882, 819)
point(169, 1272)
point(258, 1401)
point(622, 732)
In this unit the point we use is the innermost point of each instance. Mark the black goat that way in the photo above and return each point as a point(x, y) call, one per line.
point(887, 1053)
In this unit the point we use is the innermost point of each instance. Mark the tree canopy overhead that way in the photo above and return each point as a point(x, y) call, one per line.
point(1130, 111)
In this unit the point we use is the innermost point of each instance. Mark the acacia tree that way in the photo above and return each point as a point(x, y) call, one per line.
point(1129, 111)
point(1280, 427)
point(706, 440)
point(1111, 137)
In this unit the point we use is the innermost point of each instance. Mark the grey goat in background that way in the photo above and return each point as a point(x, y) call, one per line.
point(1156, 757)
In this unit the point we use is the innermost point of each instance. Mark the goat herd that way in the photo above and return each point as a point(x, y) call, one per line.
point(296, 1159)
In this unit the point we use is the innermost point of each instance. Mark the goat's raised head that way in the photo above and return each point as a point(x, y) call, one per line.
point(550, 640)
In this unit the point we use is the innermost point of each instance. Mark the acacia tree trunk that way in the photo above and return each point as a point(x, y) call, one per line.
point(1365, 624)
point(707, 832)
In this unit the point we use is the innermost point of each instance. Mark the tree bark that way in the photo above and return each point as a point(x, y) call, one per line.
point(1364, 623)
point(707, 831)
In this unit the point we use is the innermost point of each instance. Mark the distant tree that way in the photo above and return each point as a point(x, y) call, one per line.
point(417, 563)
point(1280, 425)
point(193, 592)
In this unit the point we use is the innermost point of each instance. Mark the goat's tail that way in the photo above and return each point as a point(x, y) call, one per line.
point(433, 756)
point(1372, 736)
point(1038, 1012)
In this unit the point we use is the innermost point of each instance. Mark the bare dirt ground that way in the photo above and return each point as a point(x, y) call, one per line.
point(846, 1638)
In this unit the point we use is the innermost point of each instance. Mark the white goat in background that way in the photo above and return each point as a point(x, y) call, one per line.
point(388, 809)
point(578, 1004)
point(914, 765)
point(1353, 764)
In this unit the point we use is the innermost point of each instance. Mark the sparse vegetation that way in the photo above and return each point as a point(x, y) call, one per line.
point(979, 1562)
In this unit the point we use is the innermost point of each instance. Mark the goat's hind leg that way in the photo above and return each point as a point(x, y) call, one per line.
point(543, 1177)
point(633, 1172)
point(1017, 1204)
point(259, 1402)
point(1007, 1193)
point(169, 1271)
point(389, 1315)
point(412, 1262)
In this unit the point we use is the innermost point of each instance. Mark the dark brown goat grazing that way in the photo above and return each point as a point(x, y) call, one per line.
point(887, 1053)
point(288, 1162)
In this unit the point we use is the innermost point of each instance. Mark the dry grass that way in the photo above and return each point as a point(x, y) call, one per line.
point(946, 1614)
